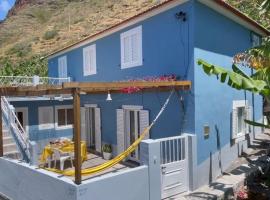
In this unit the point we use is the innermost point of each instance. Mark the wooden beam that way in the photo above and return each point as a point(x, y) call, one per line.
point(119, 85)
point(77, 135)
point(1, 131)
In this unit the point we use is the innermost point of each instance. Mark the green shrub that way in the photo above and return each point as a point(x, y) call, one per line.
point(41, 15)
point(48, 35)
point(20, 49)
point(28, 67)
point(107, 148)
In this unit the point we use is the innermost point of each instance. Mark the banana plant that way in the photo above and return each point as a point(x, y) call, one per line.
point(237, 79)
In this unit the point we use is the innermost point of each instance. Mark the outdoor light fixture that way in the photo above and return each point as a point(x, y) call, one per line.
point(181, 16)
point(109, 97)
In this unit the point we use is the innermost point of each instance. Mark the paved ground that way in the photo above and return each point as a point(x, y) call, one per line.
point(233, 178)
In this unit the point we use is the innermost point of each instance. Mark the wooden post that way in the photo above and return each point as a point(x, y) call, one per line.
point(1, 131)
point(77, 135)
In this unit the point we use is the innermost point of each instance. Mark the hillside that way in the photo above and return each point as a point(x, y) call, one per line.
point(38, 27)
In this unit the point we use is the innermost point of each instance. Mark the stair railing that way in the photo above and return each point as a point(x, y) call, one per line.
point(15, 128)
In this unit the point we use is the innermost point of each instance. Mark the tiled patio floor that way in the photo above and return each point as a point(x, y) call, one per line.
point(95, 160)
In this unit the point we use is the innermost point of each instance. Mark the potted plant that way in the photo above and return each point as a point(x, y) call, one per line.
point(107, 151)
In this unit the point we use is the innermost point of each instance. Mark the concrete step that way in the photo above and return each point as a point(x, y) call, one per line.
point(10, 148)
point(6, 133)
point(8, 140)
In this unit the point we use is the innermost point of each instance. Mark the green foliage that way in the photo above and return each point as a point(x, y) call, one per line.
point(107, 148)
point(50, 34)
point(236, 78)
point(30, 67)
point(20, 49)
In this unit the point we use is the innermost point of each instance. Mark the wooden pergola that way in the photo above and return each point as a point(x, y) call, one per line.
point(76, 89)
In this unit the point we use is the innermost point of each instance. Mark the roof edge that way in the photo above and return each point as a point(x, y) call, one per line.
point(162, 7)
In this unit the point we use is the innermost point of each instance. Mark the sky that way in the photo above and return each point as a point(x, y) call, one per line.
point(5, 5)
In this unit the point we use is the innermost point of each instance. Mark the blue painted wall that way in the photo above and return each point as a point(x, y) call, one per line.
point(217, 40)
point(166, 50)
point(34, 133)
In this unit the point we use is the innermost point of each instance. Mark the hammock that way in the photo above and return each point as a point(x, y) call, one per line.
point(120, 157)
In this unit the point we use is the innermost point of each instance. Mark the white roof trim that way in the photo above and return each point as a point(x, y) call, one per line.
point(231, 15)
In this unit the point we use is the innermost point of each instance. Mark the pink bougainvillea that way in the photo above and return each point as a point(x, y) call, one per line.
point(132, 89)
point(242, 194)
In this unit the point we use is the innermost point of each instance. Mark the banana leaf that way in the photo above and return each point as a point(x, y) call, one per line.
point(257, 124)
point(236, 78)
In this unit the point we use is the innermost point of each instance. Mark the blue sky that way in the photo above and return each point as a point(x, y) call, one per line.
point(5, 5)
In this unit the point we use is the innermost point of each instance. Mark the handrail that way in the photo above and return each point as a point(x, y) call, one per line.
point(31, 80)
point(18, 130)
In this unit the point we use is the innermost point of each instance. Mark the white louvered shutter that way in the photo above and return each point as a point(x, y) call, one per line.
point(234, 123)
point(83, 124)
point(144, 122)
point(98, 137)
point(86, 61)
point(89, 60)
point(62, 67)
point(120, 131)
point(248, 116)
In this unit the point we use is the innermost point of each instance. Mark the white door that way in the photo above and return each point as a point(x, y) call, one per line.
point(93, 128)
point(174, 163)
point(22, 116)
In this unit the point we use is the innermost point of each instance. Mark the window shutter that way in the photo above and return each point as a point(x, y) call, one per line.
point(83, 124)
point(62, 67)
point(120, 131)
point(98, 130)
point(234, 122)
point(248, 116)
point(144, 122)
point(93, 64)
point(86, 61)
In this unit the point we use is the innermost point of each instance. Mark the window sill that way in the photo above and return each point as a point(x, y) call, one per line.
point(131, 65)
point(46, 127)
point(63, 127)
point(90, 74)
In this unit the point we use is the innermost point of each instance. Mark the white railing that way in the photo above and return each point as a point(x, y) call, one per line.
point(31, 80)
point(15, 127)
point(172, 149)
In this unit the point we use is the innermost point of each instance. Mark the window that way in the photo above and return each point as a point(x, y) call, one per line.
point(255, 39)
point(45, 117)
point(241, 111)
point(64, 116)
point(62, 67)
point(89, 60)
point(131, 48)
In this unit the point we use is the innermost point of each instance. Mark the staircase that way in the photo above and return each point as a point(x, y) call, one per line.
point(10, 146)
point(15, 138)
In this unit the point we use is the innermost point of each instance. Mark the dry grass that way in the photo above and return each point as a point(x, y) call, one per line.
point(73, 20)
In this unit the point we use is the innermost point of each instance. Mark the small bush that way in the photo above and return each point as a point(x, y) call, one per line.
point(20, 49)
point(48, 35)
point(41, 15)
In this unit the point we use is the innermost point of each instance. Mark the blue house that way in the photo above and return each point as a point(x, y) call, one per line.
point(165, 41)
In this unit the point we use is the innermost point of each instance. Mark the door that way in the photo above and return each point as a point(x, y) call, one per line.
point(132, 132)
point(174, 162)
point(22, 116)
point(93, 128)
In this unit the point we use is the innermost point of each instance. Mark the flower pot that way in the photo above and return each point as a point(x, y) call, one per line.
point(107, 156)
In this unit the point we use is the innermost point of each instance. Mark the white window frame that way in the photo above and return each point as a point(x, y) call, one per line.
point(49, 125)
point(139, 62)
point(236, 105)
point(132, 107)
point(56, 117)
point(60, 59)
point(92, 53)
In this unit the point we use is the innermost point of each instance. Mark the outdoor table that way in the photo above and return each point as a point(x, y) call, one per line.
point(66, 147)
